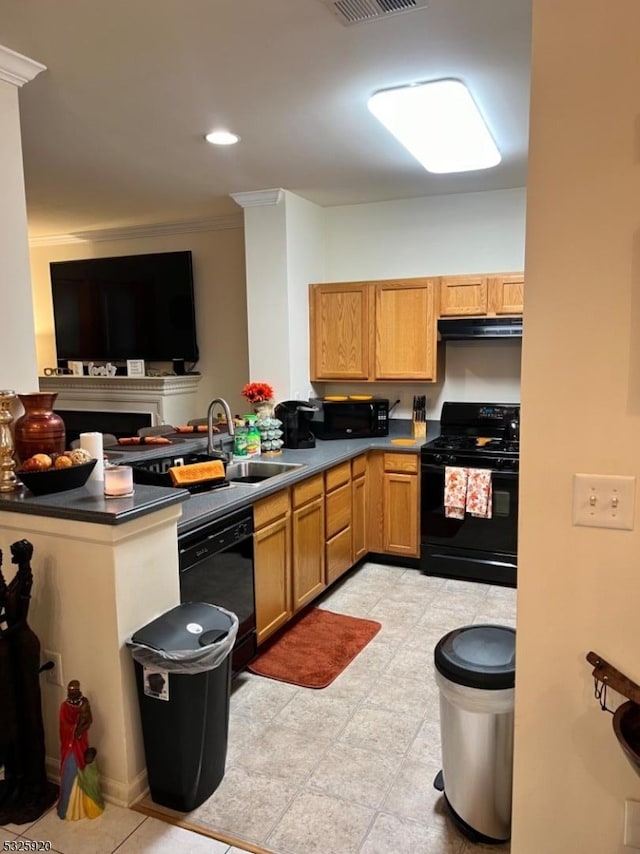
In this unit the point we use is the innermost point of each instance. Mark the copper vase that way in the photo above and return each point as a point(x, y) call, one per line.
point(40, 430)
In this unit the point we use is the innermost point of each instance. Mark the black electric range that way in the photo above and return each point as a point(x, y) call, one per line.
point(473, 436)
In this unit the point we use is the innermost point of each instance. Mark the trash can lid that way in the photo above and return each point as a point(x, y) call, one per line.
point(188, 626)
point(481, 656)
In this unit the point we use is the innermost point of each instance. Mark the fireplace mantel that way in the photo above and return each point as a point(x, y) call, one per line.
point(167, 400)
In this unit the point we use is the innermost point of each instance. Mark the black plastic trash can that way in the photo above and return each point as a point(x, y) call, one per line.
point(475, 674)
point(183, 674)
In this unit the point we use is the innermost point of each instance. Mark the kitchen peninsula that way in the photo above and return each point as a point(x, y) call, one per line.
point(105, 567)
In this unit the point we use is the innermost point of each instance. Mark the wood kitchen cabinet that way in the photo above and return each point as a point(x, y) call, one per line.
point(401, 504)
point(393, 503)
point(272, 563)
point(338, 512)
point(371, 331)
point(482, 295)
point(307, 536)
point(340, 331)
point(308, 540)
point(358, 508)
point(405, 330)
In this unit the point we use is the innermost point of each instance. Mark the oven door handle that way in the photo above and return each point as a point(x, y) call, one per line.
point(438, 468)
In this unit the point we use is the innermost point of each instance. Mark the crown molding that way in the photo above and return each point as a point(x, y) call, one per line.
point(258, 197)
point(16, 68)
point(137, 232)
point(66, 385)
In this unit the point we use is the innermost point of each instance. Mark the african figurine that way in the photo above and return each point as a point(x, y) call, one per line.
point(25, 792)
point(80, 795)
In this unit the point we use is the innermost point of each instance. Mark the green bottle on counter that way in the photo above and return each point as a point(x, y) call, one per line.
point(253, 436)
point(240, 441)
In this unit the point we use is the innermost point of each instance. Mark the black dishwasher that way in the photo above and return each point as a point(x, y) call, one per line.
point(216, 566)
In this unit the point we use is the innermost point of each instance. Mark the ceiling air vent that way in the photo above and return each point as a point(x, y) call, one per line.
point(359, 11)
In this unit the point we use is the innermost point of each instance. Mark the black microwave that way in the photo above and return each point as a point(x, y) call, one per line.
point(350, 419)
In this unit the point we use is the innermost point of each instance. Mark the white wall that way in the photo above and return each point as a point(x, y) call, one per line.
point(268, 316)
point(220, 296)
point(284, 246)
point(306, 258)
point(465, 233)
point(579, 587)
point(18, 343)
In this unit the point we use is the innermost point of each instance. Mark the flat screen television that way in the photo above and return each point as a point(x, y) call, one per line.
point(127, 307)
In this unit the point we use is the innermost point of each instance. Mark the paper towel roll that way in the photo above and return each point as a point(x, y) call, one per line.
point(92, 443)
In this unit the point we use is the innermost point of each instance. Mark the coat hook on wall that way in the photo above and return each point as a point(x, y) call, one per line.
point(604, 676)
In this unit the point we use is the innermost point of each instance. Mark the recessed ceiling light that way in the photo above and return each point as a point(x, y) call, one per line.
point(439, 124)
point(222, 137)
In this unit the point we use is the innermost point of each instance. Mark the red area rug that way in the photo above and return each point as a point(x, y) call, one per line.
point(316, 649)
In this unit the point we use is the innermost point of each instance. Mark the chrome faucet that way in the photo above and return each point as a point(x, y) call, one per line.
point(230, 427)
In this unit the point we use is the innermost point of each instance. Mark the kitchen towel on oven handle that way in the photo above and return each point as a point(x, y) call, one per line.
point(479, 493)
point(455, 492)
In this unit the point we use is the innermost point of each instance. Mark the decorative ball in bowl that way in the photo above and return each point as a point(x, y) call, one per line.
point(56, 479)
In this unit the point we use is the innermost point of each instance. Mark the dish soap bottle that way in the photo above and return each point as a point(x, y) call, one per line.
point(240, 441)
point(253, 436)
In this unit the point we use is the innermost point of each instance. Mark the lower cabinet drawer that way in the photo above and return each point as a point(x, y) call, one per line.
point(338, 555)
point(338, 509)
point(408, 463)
point(307, 490)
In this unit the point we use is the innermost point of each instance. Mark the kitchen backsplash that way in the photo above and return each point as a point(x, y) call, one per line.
point(470, 371)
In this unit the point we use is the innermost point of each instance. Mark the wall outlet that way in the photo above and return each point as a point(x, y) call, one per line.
point(604, 501)
point(54, 676)
point(632, 824)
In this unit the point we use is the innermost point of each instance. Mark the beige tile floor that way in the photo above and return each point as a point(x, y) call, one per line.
point(345, 770)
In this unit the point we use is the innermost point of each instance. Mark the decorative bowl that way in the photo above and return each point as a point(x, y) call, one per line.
point(56, 480)
point(626, 725)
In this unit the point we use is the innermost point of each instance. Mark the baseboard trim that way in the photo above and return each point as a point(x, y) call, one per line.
point(152, 810)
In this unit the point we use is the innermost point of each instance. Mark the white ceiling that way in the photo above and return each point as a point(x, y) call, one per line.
point(113, 129)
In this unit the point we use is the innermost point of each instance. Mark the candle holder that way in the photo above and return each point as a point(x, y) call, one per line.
point(8, 479)
point(118, 481)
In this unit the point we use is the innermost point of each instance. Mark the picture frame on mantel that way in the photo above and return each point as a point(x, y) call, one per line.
point(135, 368)
point(76, 368)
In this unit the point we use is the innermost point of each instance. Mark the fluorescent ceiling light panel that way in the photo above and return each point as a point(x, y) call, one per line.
point(439, 124)
point(222, 137)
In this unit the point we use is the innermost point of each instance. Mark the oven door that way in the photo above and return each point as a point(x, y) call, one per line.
point(472, 548)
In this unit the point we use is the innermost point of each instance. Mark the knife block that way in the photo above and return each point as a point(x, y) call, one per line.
point(419, 429)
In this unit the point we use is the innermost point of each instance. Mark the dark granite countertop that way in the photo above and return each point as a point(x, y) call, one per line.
point(88, 504)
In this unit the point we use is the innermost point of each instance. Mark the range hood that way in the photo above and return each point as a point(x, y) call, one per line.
point(479, 328)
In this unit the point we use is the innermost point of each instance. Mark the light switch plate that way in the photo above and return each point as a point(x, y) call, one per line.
point(632, 824)
point(604, 501)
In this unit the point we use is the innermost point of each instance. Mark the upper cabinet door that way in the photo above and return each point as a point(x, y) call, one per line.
point(506, 294)
point(405, 330)
point(463, 296)
point(340, 331)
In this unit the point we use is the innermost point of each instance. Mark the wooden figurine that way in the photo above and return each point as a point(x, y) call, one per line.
point(25, 791)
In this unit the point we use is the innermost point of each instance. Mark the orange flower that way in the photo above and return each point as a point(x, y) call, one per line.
point(257, 392)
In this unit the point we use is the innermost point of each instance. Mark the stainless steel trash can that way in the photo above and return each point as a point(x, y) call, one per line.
point(475, 674)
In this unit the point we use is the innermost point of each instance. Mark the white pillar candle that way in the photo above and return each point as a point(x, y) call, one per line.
point(118, 481)
point(92, 443)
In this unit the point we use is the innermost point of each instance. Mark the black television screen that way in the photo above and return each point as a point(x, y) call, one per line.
point(127, 307)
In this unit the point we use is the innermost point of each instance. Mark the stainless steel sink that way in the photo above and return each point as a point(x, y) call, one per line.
point(257, 471)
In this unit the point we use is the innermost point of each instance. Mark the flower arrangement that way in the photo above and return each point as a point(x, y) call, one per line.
point(257, 392)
